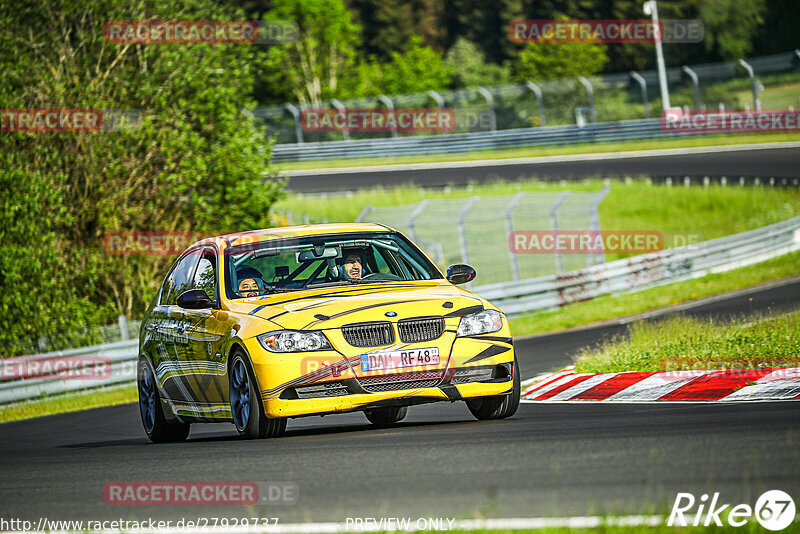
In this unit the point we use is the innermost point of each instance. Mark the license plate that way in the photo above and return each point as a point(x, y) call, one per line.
point(396, 359)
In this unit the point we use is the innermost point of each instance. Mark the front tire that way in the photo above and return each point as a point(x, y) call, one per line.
point(247, 410)
point(382, 417)
point(498, 406)
point(156, 426)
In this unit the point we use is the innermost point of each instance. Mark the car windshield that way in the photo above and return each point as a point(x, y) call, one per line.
point(317, 261)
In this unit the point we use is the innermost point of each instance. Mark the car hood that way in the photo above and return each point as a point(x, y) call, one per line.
point(333, 307)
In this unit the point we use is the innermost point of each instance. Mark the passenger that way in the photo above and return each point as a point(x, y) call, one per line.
point(250, 282)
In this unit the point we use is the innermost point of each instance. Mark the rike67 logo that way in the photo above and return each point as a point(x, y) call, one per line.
point(774, 510)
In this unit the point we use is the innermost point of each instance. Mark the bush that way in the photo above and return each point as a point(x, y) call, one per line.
point(194, 163)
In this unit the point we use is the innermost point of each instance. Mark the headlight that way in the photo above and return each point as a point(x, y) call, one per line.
point(293, 341)
point(480, 323)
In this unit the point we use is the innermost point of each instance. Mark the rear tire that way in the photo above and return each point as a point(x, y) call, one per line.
point(498, 406)
point(247, 409)
point(381, 417)
point(156, 426)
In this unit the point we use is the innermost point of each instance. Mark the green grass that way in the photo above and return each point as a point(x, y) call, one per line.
point(704, 212)
point(615, 306)
point(751, 527)
point(72, 402)
point(682, 343)
point(589, 148)
point(776, 97)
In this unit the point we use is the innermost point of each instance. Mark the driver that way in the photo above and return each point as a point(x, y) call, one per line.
point(353, 265)
point(250, 283)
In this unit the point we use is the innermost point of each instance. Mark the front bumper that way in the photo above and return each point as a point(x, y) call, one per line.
point(358, 402)
point(285, 379)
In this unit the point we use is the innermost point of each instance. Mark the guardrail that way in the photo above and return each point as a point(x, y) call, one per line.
point(37, 375)
point(644, 271)
point(546, 292)
point(468, 142)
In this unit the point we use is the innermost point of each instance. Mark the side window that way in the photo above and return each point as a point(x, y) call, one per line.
point(205, 277)
point(181, 279)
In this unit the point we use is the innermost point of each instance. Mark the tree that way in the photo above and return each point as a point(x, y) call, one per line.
point(552, 61)
point(419, 69)
point(469, 68)
point(387, 25)
point(312, 67)
point(731, 25)
point(194, 163)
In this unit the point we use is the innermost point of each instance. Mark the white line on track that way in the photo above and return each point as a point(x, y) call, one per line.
point(468, 524)
point(538, 159)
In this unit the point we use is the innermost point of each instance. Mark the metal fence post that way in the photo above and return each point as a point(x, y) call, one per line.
point(298, 130)
point(594, 222)
point(412, 231)
point(509, 229)
point(590, 92)
point(390, 106)
point(643, 85)
point(489, 102)
point(753, 84)
point(364, 211)
point(539, 100)
point(437, 98)
point(554, 228)
point(124, 331)
point(462, 232)
point(698, 104)
point(341, 109)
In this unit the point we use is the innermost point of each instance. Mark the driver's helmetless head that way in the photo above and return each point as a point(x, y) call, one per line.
point(352, 265)
point(249, 287)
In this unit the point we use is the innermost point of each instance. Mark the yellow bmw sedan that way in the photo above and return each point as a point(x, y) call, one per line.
point(257, 327)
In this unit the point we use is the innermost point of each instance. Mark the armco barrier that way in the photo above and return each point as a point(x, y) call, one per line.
point(645, 271)
point(121, 355)
point(546, 292)
point(468, 142)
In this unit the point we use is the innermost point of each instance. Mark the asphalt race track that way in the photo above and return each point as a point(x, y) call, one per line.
point(743, 161)
point(549, 459)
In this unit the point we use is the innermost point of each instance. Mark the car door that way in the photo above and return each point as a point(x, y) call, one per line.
point(167, 326)
point(206, 330)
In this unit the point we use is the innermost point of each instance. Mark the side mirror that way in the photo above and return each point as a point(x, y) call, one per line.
point(195, 299)
point(460, 273)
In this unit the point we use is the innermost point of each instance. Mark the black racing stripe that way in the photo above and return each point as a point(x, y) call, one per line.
point(362, 308)
point(494, 350)
point(465, 311)
point(284, 312)
point(451, 391)
point(508, 340)
point(255, 311)
point(340, 291)
point(372, 306)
